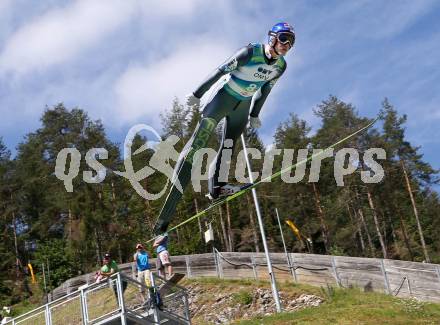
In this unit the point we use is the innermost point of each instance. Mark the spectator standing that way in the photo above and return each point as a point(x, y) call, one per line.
point(141, 259)
point(109, 268)
point(163, 256)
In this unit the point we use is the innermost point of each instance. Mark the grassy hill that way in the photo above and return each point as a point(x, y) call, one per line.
point(338, 306)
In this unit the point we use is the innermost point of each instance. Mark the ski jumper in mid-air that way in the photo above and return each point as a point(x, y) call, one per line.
point(250, 75)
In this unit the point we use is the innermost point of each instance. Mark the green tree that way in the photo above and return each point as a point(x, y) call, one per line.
point(59, 265)
point(416, 173)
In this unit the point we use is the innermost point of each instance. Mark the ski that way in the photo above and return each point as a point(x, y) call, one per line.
point(222, 201)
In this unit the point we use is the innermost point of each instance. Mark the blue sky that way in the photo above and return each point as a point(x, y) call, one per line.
point(124, 60)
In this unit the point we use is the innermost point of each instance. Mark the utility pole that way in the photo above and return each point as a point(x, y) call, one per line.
point(275, 294)
point(289, 264)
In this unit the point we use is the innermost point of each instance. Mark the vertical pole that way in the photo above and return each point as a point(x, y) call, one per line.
point(289, 265)
point(85, 318)
point(220, 265)
point(409, 286)
point(254, 266)
point(292, 263)
point(188, 266)
point(335, 271)
point(47, 315)
point(263, 235)
point(385, 277)
point(120, 297)
point(156, 315)
point(215, 262)
point(438, 272)
point(133, 270)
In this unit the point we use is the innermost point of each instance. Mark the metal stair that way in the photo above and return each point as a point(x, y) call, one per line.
point(107, 303)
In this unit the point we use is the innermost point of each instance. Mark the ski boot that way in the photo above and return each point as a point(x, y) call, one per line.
point(221, 192)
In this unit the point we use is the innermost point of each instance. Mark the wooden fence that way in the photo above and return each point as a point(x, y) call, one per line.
point(398, 278)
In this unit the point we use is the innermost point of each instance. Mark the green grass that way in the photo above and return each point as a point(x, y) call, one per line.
point(351, 306)
point(242, 297)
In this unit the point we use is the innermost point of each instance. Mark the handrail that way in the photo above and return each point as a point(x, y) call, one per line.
point(120, 311)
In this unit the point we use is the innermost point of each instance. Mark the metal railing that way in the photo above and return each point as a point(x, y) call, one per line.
point(120, 299)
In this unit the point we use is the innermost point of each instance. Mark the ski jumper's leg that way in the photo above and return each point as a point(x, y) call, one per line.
point(216, 109)
point(235, 124)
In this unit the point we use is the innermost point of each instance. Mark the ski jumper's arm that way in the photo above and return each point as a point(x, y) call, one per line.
point(240, 58)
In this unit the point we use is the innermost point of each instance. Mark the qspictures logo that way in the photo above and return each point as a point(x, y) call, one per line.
point(346, 162)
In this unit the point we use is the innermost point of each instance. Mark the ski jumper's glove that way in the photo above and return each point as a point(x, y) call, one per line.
point(254, 122)
point(192, 100)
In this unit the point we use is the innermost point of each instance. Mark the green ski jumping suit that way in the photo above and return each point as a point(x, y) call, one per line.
point(250, 78)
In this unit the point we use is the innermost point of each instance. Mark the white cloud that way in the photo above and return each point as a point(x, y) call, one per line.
point(147, 91)
point(169, 7)
point(61, 34)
